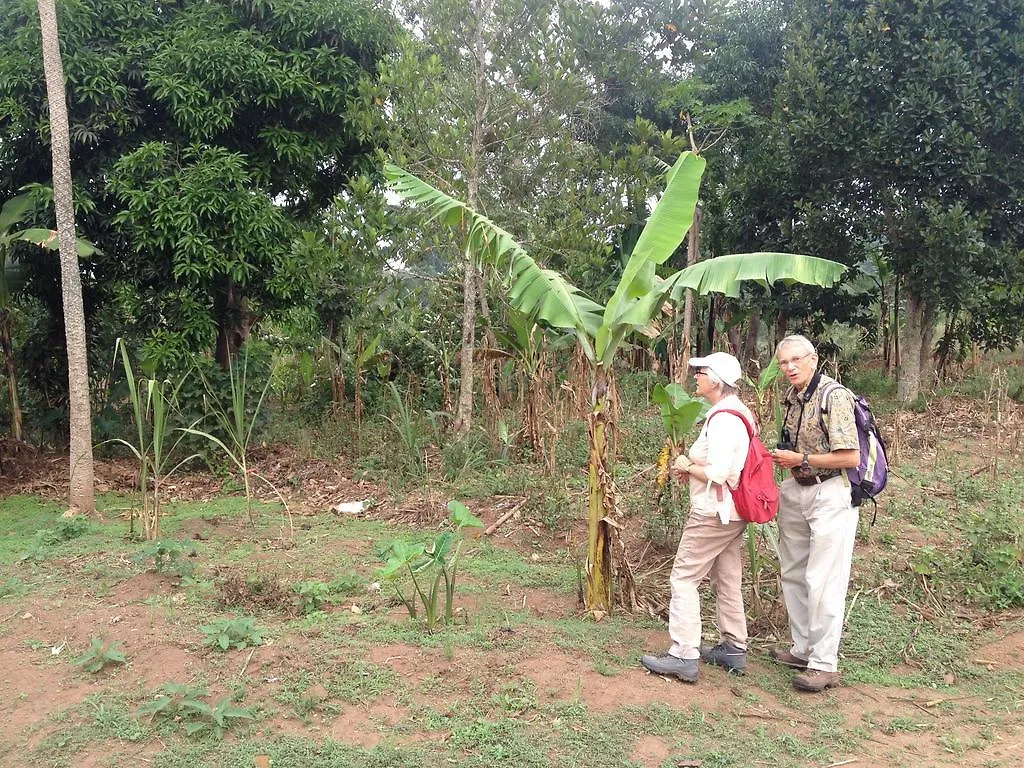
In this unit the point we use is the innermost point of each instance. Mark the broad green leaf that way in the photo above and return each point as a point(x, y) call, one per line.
point(439, 549)
point(13, 211)
point(402, 554)
point(47, 238)
point(369, 351)
point(769, 375)
point(724, 274)
point(664, 231)
point(540, 293)
point(461, 517)
point(679, 411)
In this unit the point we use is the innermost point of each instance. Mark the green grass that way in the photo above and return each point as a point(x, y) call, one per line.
point(465, 700)
point(485, 563)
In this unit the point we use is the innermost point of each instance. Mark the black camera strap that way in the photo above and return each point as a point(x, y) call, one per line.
point(805, 398)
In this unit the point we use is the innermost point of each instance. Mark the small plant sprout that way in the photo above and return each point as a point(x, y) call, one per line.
point(429, 566)
point(168, 556)
point(679, 413)
point(185, 704)
point(99, 655)
point(218, 718)
point(173, 700)
point(312, 595)
point(233, 633)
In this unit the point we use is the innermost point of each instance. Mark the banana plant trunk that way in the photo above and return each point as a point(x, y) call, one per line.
point(604, 543)
point(531, 418)
point(12, 382)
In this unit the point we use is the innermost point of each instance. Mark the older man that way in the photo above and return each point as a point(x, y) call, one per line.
point(817, 520)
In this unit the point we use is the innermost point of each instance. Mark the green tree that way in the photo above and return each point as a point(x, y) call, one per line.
point(518, 106)
point(902, 118)
point(479, 97)
point(12, 279)
point(185, 115)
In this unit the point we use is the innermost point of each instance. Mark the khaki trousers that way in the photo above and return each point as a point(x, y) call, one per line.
point(707, 548)
point(817, 529)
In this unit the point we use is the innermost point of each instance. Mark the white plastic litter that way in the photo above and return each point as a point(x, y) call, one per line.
point(350, 507)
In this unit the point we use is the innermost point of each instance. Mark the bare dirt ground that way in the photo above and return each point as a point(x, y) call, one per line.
point(897, 726)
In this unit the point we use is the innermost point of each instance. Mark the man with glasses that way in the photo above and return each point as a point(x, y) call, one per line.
point(817, 520)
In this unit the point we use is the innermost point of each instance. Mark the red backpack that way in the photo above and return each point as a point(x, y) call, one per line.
point(756, 496)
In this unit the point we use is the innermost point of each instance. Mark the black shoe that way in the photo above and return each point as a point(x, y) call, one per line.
point(725, 655)
point(668, 665)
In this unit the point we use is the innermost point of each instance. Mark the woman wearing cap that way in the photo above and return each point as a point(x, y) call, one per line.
point(711, 539)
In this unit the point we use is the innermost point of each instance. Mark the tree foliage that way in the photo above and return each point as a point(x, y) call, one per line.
point(204, 136)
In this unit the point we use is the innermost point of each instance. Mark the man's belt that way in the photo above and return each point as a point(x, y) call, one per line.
point(821, 477)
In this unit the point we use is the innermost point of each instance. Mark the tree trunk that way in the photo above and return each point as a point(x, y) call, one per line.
point(603, 517)
point(748, 353)
point(709, 339)
point(81, 495)
point(481, 10)
point(12, 381)
point(601, 483)
point(929, 313)
point(488, 366)
point(464, 405)
point(231, 307)
point(895, 332)
point(909, 383)
point(780, 329)
point(885, 327)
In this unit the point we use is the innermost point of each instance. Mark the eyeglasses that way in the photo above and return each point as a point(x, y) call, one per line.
point(700, 372)
point(793, 360)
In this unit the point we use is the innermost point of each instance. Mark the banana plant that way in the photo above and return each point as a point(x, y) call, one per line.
point(14, 211)
point(523, 340)
point(601, 330)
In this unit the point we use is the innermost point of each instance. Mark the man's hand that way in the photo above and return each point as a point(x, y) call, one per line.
point(787, 459)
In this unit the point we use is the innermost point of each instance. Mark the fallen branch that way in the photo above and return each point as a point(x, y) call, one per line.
point(246, 665)
point(501, 520)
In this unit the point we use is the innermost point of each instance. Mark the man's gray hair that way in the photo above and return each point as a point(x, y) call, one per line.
point(796, 340)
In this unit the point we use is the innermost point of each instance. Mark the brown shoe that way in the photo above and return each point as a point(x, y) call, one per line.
point(815, 680)
point(783, 656)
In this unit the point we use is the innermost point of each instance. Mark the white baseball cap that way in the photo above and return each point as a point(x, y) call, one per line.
point(723, 365)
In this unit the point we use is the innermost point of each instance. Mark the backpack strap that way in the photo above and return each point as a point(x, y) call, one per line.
point(740, 416)
point(826, 392)
point(750, 434)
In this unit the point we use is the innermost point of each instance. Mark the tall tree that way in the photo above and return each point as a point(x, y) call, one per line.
point(479, 97)
point(902, 121)
point(81, 489)
point(205, 136)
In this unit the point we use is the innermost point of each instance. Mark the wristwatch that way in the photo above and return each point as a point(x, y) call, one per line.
point(805, 464)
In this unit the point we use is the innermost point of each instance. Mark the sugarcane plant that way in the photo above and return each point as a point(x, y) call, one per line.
point(237, 425)
point(153, 404)
point(601, 331)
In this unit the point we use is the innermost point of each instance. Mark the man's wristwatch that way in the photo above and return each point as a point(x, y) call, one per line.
point(805, 464)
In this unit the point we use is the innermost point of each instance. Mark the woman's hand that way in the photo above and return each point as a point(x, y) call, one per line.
point(681, 467)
